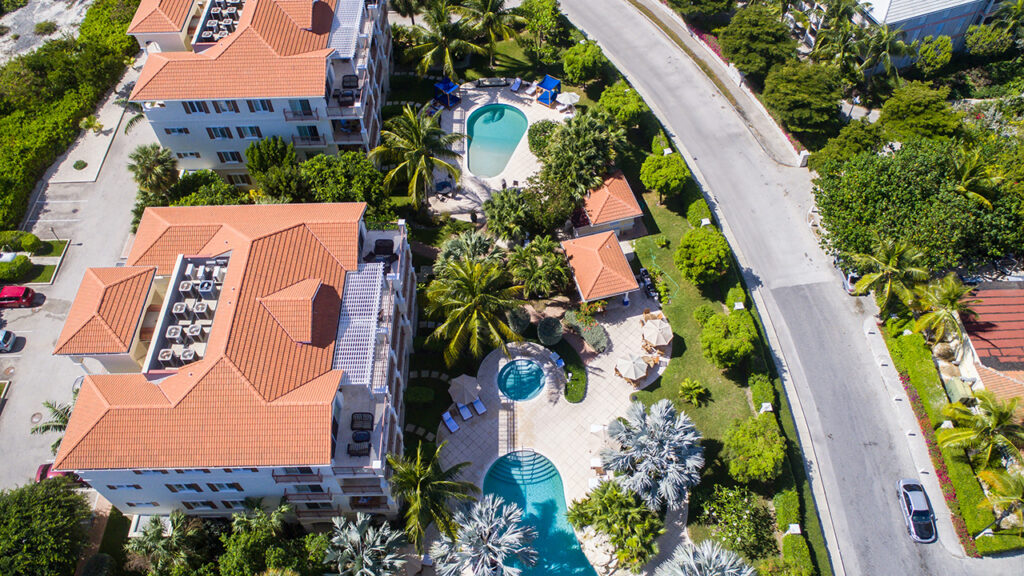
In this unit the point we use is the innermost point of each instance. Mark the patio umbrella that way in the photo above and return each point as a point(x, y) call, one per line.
point(464, 389)
point(657, 332)
point(568, 98)
point(632, 367)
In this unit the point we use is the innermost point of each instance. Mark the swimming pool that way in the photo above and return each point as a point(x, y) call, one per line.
point(521, 379)
point(494, 132)
point(532, 481)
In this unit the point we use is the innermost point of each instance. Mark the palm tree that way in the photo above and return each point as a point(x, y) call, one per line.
point(439, 40)
point(1005, 493)
point(154, 168)
point(133, 108)
point(492, 19)
point(945, 305)
point(91, 122)
point(472, 299)
point(491, 536)
point(894, 267)
point(60, 413)
point(988, 429)
point(839, 13)
point(506, 215)
point(361, 549)
point(255, 518)
point(415, 143)
point(705, 559)
point(1010, 14)
point(158, 550)
point(540, 267)
point(407, 8)
point(428, 489)
point(975, 179)
point(474, 246)
point(882, 48)
point(840, 47)
point(658, 456)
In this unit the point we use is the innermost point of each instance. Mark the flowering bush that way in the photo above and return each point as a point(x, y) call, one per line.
point(740, 522)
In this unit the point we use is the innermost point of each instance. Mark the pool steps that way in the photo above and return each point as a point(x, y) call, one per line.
point(523, 467)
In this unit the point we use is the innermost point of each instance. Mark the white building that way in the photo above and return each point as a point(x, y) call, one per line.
point(223, 73)
point(250, 351)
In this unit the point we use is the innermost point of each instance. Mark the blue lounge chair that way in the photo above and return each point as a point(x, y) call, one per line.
point(479, 407)
point(557, 360)
point(464, 412)
point(516, 84)
point(450, 422)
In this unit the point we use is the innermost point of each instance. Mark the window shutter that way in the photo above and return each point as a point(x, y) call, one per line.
point(233, 105)
point(251, 109)
point(259, 133)
point(236, 486)
point(240, 133)
point(216, 107)
point(194, 487)
point(206, 108)
point(209, 132)
point(228, 130)
point(270, 106)
point(171, 488)
point(187, 505)
point(111, 487)
point(186, 130)
point(213, 487)
point(185, 106)
point(137, 487)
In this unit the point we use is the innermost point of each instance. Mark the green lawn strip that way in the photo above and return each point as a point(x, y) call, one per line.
point(40, 273)
point(576, 388)
point(52, 248)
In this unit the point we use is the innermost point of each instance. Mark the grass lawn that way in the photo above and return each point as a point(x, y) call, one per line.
point(52, 247)
point(40, 273)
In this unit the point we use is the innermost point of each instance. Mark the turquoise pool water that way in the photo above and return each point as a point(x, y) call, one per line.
point(532, 481)
point(494, 132)
point(521, 379)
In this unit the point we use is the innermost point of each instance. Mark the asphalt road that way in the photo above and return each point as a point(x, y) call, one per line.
point(859, 447)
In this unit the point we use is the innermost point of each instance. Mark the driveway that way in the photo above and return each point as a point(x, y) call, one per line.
point(859, 448)
point(96, 217)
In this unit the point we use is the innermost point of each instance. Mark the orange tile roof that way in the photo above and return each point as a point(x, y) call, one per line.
point(599, 266)
point(155, 16)
point(274, 53)
point(997, 332)
point(1003, 385)
point(106, 311)
point(612, 202)
point(259, 397)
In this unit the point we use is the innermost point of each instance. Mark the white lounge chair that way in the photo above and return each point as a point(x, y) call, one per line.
point(529, 90)
point(479, 407)
point(464, 411)
point(562, 107)
point(450, 422)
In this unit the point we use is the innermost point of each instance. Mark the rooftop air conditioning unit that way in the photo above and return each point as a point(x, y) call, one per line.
point(201, 310)
point(207, 289)
point(195, 333)
point(186, 289)
point(181, 312)
point(167, 358)
point(188, 355)
point(173, 334)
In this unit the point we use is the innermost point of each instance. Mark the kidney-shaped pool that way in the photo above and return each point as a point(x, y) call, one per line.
point(494, 132)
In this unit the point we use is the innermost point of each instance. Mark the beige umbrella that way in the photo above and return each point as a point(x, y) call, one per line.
point(632, 367)
point(657, 332)
point(464, 389)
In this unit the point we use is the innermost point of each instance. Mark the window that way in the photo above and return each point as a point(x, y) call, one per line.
point(319, 505)
point(232, 504)
point(308, 132)
point(193, 471)
point(224, 486)
point(124, 487)
point(240, 470)
point(231, 157)
point(183, 488)
point(195, 107)
point(200, 505)
point(225, 106)
point(176, 131)
point(240, 180)
point(309, 489)
point(249, 132)
point(149, 472)
point(219, 132)
point(300, 107)
point(260, 105)
point(145, 504)
point(298, 470)
point(187, 155)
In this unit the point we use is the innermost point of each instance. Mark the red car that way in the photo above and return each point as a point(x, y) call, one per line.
point(16, 297)
point(46, 471)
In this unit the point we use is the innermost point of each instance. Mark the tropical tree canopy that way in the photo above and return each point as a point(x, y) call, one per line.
point(705, 559)
point(1005, 494)
point(491, 19)
point(154, 169)
point(473, 246)
point(658, 454)
point(945, 305)
point(159, 550)
point(492, 540)
point(41, 528)
point(755, 41)
point(59, 414)
point(540, 267)
point(416, 145)
point(986, 431)
point(358, 548)
point(441, 40)
point(891, 270)
point(506, 215)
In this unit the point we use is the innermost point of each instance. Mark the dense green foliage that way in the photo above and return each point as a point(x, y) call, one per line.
point(547, 27)
point(18, 241)
point(761, 390)
point(583, 62)
point(796, 553)
point(740, 521)
point(755, 449)
point(539, 267)
point(933, 54)
point(703, 8)
point(703, 255)
point(624, 103)
point(580, 152)
point(804, 95)
point(539, 134)
point(665, 173)
point(697, 212)
point(787, 509)
point(45, 27)
point(41, 529)
point(727, 340)
point(630, 525)
point(756, 40)
point(507, 216)
point(518, 320)
point(856, 137)
point(735, 295)
point(988, 40)
point(349, 177)
point(549, 331)
point(16, 269)
point(703, 313)
point(917, 110)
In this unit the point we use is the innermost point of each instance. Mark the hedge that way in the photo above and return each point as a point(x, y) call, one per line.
point(735, 294)
point(19, 241)
point(698, 211)
point(761, 390)
point(16, 269)
point(787, 509)
point(596, 336)
point(796, 553)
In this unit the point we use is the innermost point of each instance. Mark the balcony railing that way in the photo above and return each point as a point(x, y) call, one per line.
point(362, 489)
point(344, 111)
point(291, 116)
point(328, 513)
point(355, 471)
point(368, 502)
point(309, 496)
point(309, 140)
point(298, 478)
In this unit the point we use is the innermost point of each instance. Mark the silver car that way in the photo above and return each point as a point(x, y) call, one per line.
point(917, 511)
point(7, 339)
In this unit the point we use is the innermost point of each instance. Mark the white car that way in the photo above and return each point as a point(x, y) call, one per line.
point(917, 511)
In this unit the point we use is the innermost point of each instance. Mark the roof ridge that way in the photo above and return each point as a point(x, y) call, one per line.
point(1001, 374)
point(88, 386)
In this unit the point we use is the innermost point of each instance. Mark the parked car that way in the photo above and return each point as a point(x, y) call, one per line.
point(7, 339)
point(46, 471)
point(917, 511)
point(849, 278)
point(16, 297)
point(647, 283)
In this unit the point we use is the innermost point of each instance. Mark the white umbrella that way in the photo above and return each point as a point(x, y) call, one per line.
point(464, 389)
point(657, 332)
point(632, 367)
point(568, 98)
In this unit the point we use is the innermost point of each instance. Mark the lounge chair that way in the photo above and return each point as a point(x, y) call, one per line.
point(479, 407)
point(516, 85)
point(464, 412)
point(562, 107)
point(557, 360)
point(450, 422)
point(531, 89)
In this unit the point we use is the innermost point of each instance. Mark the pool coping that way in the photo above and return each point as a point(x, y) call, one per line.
point(465, 155)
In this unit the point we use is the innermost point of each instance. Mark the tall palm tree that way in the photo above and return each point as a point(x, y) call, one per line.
point(894, 268)
point(705, 559)
point(133, 108)
point(1010, 14)
point(1006, 494)
point(472, 299)
point(159, 550)
point(407, 8)
point(658, 454)
point(987, 430)
point(882, 47)
point(256, 518)
point(840, 13)
point(60, 413)
point(154, 168)
point(506, 215)
point(840, 46)
point(540, 267)
point(492, 19)
point(361, 549)
point(429, 490)
point(415, 143)
point(974, 177)
point(491, 536)
point(474, 246)
point(945, 304)
point(440, 40)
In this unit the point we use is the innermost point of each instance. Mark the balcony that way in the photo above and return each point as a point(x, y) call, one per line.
point(300, 116)
point(309, 141)
point(298, 478)
point(374, 488)
point(368, 502)
point(309, 496)
point(328, 513)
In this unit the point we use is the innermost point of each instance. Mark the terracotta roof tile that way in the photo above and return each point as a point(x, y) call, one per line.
point(599, 266)
point(997, 332)
point(612, 202)
point(106, 311)
point(292, 308)
point(160, 16)
point(1003, 385)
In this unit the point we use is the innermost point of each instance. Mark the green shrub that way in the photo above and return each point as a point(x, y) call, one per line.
point(79, 164)
point(539, 135)
point(761, 390)
point(734, 295)
point(787, 509)
point(100, 565)
point(596, 337)
point(624, 103)
point(755, 449)
point(796, 552)
point(518, 320)
point(703, 313)
point(16, 269)
point(45, 28)
point(693, 392)
point(703, 256)
point(19, 241)
point(697, 211)
point(630, 525)
point(739, 521)
point(419, 395)
point(778, 567)
point(583, 62)
point(728, 340)
point(549, 331)
point(659, 143)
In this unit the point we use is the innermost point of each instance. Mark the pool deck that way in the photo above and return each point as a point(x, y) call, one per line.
point(521, 165)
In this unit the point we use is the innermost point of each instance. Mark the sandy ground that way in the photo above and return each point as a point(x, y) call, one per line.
point(68, 14)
